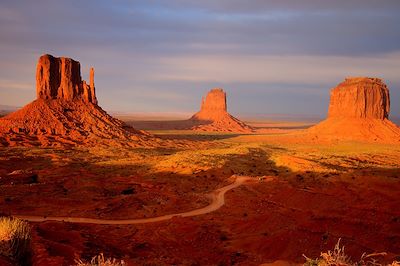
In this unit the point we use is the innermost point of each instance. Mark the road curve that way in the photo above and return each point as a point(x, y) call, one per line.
point(217, 196)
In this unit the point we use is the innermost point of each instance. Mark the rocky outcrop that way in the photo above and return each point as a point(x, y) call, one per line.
point(360, 97)
point(358, 110)
point(65, 112)
point(213, 115)
point(215, 100)
point(60, 78)
point(213, 106)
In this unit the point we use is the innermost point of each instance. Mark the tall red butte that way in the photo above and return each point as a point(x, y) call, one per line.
point(66, 111)
point(358, 110)
point(213, 115)
point(60, 78)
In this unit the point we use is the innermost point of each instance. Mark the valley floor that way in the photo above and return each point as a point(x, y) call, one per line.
point(313, 195)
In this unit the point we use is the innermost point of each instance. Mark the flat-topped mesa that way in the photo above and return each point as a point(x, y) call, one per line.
point(60, 78)
point(358, 111)
point(360, 97)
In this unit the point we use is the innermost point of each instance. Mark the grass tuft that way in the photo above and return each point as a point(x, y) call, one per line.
point(15, 239)
point(100, 260)
point(337, 256)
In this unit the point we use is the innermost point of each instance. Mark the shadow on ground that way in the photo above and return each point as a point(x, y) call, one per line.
point(301, 212)
point(167, 124)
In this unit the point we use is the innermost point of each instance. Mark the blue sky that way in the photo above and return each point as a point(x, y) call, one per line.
point(162, 56)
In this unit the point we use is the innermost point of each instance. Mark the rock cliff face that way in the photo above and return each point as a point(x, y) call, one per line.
point(213, 115)
point(60, 78)
point(358, 110)
point(214, 101)
point(65, 112)
point(360, 98)
point(213, 106)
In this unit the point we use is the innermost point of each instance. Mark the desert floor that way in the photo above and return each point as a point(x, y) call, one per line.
point(312, 195)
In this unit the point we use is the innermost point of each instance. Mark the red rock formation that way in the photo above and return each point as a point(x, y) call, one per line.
point(213, 115)
point(358, 110)
point(213, 106)
point(214, 101)
point(360, 98)
point(92, 78)
point(91, 90)
point(65, 112)
point(60, 78)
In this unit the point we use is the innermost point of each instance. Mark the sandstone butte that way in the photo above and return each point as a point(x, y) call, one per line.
point(65, 112)
point(60, 78)
point(358, 110)
point(213, 115)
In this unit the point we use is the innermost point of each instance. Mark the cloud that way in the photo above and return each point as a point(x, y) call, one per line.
point(164, 55)
point(195, 27)
point(13, 85)
point(278, 69)
point(258, 6)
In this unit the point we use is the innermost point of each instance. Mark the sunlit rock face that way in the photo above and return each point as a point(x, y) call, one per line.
point(65, 112)
point(358, 111)
point(214, 101)
point(213, 115)
point(60, 78)
point(360, 97)
point(213, 106)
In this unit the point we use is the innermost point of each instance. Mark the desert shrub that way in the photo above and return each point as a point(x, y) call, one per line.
point(15, 239)
point(337, 256)
point(100, 260)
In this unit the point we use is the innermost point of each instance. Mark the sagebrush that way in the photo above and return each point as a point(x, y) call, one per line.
point(100, 260)
point(337, 256)
point(15, 239)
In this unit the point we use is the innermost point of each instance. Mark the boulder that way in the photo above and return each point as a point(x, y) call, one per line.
point(19, 177)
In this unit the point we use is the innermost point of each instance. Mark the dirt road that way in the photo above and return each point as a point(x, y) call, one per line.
point(217, 196)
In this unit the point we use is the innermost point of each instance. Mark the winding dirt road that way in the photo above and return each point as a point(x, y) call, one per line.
point(217, 196)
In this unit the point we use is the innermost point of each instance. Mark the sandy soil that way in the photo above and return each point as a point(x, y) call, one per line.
point(217, 201)
point(320, 192)
point(259, 126)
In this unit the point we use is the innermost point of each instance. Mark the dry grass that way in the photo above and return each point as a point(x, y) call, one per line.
point(337, 256)
point(15, 239)
point(335, 158)
point(100, 260)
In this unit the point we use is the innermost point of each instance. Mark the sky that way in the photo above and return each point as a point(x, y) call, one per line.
point(271, 57)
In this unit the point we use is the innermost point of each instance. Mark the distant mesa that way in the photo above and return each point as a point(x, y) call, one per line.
point(213, 106)
point(358, 110)
point(213, 115)
point(65, 111)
